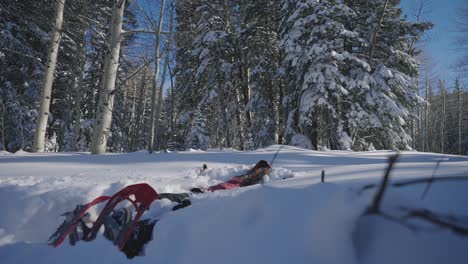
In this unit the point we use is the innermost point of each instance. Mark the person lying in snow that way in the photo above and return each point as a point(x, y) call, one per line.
point(128, 232)
point(253, 176)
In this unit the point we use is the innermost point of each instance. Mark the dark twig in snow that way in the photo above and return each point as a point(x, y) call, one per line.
point(375, 207)
point(448, 222)
point(419, 181)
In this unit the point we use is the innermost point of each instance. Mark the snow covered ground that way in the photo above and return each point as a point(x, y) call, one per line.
point(294, 220)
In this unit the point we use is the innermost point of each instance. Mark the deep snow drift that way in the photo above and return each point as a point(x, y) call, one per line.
point(293, 220)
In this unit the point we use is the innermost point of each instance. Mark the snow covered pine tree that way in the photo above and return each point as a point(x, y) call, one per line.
point(351, 86)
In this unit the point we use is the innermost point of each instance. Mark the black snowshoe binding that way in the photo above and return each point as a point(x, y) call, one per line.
point(116, 226)
point(142, 234)
point(115, 223)
point(75, 224)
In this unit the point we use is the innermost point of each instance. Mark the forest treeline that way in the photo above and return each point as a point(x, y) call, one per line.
point(178, 74)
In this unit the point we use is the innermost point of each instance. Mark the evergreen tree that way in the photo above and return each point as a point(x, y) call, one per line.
point(215, 74)
point(259, 53)
point(319, 74)
point(324, 76)
point(184, 97)
point(73, 103)
point(392, 96)
point(351, 86)
point(22, 64)
point(227, 59)
point(198, 138)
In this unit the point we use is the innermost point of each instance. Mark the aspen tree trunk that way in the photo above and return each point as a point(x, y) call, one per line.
point(172, 102)
point(139, 111)
point(444, 111)
point(421, 129)
point(102, 126)
point(2, 105)
point(416, 122)
point(76, 132)
point(21, 131)
point(78, 91)
point(247, 92)
point(144, 119)
point(460, 122)
point(67, 117)
point(426, 118)
point(460, 115)
point(124, 115)
point(157, 60)
point(132, 122)
point(160, 97)
point(239, 120)
point(281, 114)
point(226, 127)
point(41, 125)
point(159, 104)
point(218, 132)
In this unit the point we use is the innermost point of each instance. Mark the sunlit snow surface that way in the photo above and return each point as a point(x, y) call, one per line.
point(294, 220)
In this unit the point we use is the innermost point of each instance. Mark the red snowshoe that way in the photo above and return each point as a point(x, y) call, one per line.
point(120, 226)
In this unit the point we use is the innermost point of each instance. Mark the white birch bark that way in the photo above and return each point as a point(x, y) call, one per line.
point(133, 125)
point(103, 123)
point(444, 116)
point(157, 60)
point(139, 111)
point(460, 115)
point(159, 104)
point(241, 133)
point(43, 115)
point(2, 126)
point(426, 118)
point(160, 97)
point(78, 92)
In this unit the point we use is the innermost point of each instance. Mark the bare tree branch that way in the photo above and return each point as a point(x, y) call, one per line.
point(448, 222)
point(131, 75)
point(420, 181)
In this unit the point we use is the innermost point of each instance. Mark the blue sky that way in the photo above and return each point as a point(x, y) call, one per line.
point(439, 45)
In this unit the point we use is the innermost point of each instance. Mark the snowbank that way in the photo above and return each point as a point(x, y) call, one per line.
point(292, 220)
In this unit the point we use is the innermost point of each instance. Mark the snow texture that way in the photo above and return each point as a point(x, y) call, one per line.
point(285, 220)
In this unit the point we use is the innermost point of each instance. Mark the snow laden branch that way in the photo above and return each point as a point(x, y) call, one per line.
point(20, 54)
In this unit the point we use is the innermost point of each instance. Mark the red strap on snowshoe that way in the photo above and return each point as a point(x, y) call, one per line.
point(140, 195)
point(143, 196)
